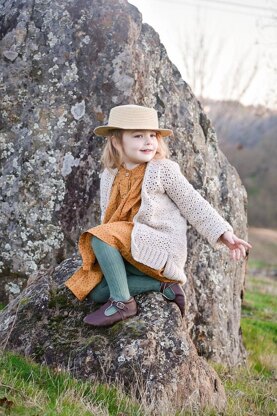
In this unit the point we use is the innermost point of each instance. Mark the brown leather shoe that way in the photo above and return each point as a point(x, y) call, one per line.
point(179, 295)
point(125, 310)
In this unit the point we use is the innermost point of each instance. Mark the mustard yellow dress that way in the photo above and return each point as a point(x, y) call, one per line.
point(116, 229)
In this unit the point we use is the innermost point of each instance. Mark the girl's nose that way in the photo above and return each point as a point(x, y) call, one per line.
point(149, 137)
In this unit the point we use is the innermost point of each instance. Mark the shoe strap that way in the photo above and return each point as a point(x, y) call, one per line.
point(118, 304)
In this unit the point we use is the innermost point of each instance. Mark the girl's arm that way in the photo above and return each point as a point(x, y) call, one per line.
point(198, 211)
point(236, 245)
point(207, 221)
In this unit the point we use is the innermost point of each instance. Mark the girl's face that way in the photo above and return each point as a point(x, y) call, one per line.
point(139, 146)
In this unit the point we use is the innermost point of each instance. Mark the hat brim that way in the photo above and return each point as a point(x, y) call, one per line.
point(105, 130)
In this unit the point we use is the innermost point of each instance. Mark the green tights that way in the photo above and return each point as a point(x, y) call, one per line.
point(121, 279)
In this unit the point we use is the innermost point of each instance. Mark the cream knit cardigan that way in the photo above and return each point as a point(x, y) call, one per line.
point(168, 200)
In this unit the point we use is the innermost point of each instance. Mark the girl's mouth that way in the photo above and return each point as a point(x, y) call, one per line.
point(147, 151)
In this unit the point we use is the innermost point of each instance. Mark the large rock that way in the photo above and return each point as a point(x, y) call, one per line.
point(63, 66)
point(152, 353)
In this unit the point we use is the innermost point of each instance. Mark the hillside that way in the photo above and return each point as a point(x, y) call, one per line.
point(241, 125)
point(248, 137)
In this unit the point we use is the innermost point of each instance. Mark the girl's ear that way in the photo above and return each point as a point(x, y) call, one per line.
point(115, 142)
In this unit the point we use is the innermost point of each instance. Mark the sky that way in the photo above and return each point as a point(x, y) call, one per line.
point(223, 49)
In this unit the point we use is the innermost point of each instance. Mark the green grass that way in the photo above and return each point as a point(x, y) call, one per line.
point(260, 264)
point(30, 389)
point(249, 393)
point(251, 389)
point(259, 325)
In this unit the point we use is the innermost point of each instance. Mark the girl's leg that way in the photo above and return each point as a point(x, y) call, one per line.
point(121, 305)
point(139, 282)
point(101, 292)
point(113, 268)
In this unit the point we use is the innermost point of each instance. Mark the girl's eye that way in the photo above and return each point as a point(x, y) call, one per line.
point(139, 136)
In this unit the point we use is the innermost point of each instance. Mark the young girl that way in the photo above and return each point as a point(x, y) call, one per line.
point(145, 201)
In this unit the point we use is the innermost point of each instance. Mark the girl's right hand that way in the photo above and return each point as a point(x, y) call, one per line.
point(235, 244)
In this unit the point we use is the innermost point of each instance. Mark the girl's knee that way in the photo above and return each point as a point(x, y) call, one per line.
point(98, 296)
point(101, 293)
point(132, 270)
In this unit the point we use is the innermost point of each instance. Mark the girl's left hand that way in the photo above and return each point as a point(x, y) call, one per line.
point(236, 245)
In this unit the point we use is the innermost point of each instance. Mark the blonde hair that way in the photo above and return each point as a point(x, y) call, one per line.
point(112, 158)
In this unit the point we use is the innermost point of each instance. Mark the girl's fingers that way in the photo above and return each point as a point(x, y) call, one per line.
point(248, 245)
point(245, 243)
point(237, 253)
point(242, 249)
point(238, 247)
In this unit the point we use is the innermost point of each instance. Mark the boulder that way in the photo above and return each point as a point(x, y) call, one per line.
point(63, 66)
point(152, 354)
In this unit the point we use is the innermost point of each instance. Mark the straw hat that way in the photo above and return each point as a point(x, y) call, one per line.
point(132, 117)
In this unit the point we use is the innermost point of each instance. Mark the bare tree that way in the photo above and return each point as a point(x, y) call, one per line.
point(202, 60)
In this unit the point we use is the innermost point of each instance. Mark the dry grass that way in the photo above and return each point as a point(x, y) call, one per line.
point(264, 251)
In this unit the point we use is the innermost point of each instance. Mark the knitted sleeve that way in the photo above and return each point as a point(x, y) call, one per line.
point(192, 205)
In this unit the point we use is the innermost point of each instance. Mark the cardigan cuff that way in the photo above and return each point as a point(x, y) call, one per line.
point(215, 242)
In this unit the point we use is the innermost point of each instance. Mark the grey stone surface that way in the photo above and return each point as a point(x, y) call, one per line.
point(152, 354)
point(63, 66)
